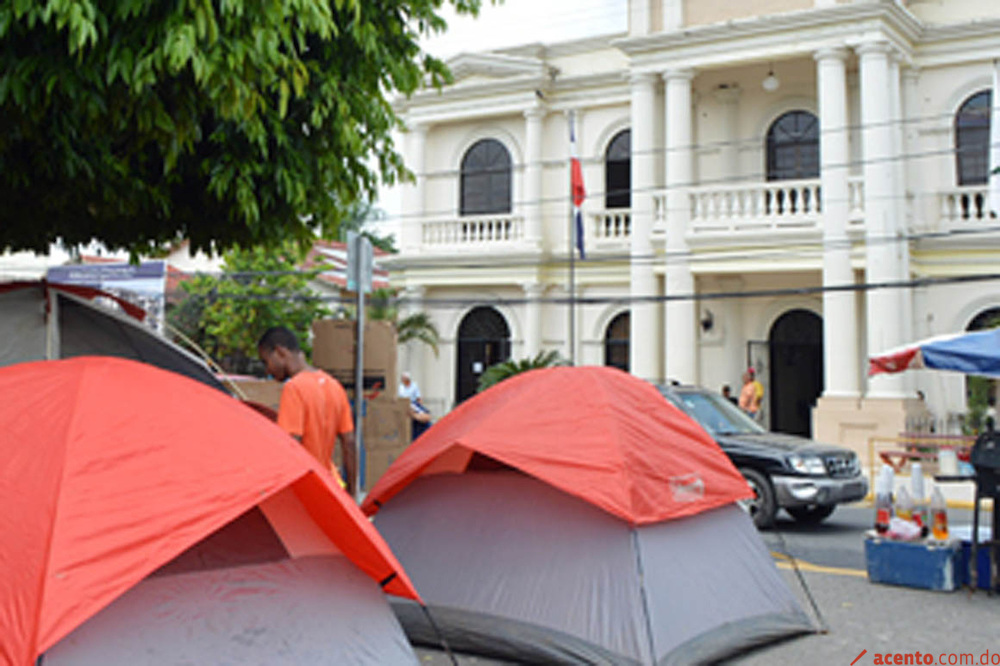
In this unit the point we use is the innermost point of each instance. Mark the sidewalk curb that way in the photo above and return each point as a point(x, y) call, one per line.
point(987, 503)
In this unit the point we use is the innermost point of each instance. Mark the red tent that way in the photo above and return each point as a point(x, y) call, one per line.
point(112, 469)
point(594, 432)
point(573, 515)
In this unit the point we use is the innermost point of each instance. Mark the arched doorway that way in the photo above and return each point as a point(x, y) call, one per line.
point(483, 340)
point(616, 342)
point(796, 381)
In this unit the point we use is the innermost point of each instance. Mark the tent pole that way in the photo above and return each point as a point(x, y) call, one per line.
point(642, 592)
point(823, 628)
point(441, 639)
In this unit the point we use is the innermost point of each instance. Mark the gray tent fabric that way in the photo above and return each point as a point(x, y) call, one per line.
point(513, 568)
point(22, 326)
point(84, 328)
point(88, 330)
point(310, 610)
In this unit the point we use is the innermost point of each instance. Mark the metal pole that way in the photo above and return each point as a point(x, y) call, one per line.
point(359, 375)
point(572, 283)
point(572, 253)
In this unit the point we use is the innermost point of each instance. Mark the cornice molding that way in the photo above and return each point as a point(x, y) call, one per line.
point(497, 65)
point(846, 15)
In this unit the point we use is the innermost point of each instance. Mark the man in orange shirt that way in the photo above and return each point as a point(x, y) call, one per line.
point(314, 408)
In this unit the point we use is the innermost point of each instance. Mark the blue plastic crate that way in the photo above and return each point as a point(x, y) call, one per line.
point(925, 565)
point(982, 570)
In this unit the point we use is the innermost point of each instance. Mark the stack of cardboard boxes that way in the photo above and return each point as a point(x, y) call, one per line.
point(386, 424)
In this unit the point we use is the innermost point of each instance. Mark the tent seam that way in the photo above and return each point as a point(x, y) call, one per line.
point(74, 416)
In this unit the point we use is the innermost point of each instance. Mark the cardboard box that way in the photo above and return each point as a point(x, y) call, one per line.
point(376, 462)
point(386, 425)
point(266, 392)
point(334, 350)
point(927, 565)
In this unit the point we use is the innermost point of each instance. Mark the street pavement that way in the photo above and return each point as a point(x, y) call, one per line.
point(856, 615)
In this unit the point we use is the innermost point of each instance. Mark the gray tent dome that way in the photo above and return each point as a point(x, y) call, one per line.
point(513, 568)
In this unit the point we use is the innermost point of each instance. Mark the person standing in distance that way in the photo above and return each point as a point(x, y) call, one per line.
point(314, 408)
point(751, 394)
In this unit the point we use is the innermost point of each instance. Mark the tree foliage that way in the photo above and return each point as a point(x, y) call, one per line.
point(417, 326)
point(228, 122)
point(259, 288)
point(507, 369)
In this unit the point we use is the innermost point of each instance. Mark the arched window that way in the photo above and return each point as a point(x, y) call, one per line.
point(486, 179)
point(793, 147)
point(972, 139)
point(616, 342)
point(483, 340)
point(618, 171)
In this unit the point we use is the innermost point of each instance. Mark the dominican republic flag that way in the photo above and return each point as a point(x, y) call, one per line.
point(576, 185)
point(994, 177)
point(976, 353)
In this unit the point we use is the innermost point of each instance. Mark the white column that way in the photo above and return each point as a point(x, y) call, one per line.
point(881, 212)
point(413, 197)
point(640, 18)
point(533, 318)
point(680, 339)
point(643, 355)
point(902, 207)
point(531, 201)
point(673, 15)
point(842, 363)
point(729, 97)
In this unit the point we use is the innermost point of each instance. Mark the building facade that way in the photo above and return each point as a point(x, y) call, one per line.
point(783, 184)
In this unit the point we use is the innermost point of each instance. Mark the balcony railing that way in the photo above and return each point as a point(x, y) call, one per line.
point(473, 231)
point(782, 205)
point(613, 224)
point(965, 206)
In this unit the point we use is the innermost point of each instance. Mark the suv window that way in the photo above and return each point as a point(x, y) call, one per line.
point(715, 413)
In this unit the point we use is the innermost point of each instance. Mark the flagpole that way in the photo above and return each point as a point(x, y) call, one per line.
point(993, 159)
point(576, 194)
point(572, 282)
point(572, 257)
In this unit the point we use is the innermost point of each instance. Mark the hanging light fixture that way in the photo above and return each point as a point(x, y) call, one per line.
point(770, 82)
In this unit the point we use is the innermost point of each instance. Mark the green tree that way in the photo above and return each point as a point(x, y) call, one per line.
point(227, 123)
point(501, 371)
point(258, 288)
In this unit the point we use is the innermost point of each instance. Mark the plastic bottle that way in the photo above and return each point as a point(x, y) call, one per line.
point(919, 515)
point(904, 504)
point(939, 515)
point(883, 500)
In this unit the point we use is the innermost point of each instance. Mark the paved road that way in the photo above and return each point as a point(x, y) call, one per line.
point(858, 615)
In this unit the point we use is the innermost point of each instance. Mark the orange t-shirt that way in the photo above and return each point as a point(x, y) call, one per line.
point(314, 407)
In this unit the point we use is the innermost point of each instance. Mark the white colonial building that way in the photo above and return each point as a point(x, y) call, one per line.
point(784, 183)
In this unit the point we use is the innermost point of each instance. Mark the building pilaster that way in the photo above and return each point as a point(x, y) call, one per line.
point(841, 360)
point(882, 212)
point(531, 201)
point(643, 329)
point(680, 350)
point(414, 195)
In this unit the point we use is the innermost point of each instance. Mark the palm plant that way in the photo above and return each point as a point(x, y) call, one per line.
point(417, 326)
point(501, 371)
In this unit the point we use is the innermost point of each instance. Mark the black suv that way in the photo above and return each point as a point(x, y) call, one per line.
point(803, 477)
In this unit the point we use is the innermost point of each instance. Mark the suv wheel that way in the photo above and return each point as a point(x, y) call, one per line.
point(812, 514)
point(762, 508)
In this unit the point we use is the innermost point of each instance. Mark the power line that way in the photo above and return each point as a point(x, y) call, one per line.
point(439, 302)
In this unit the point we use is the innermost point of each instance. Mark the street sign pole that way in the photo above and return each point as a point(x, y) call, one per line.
point(359, 278)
